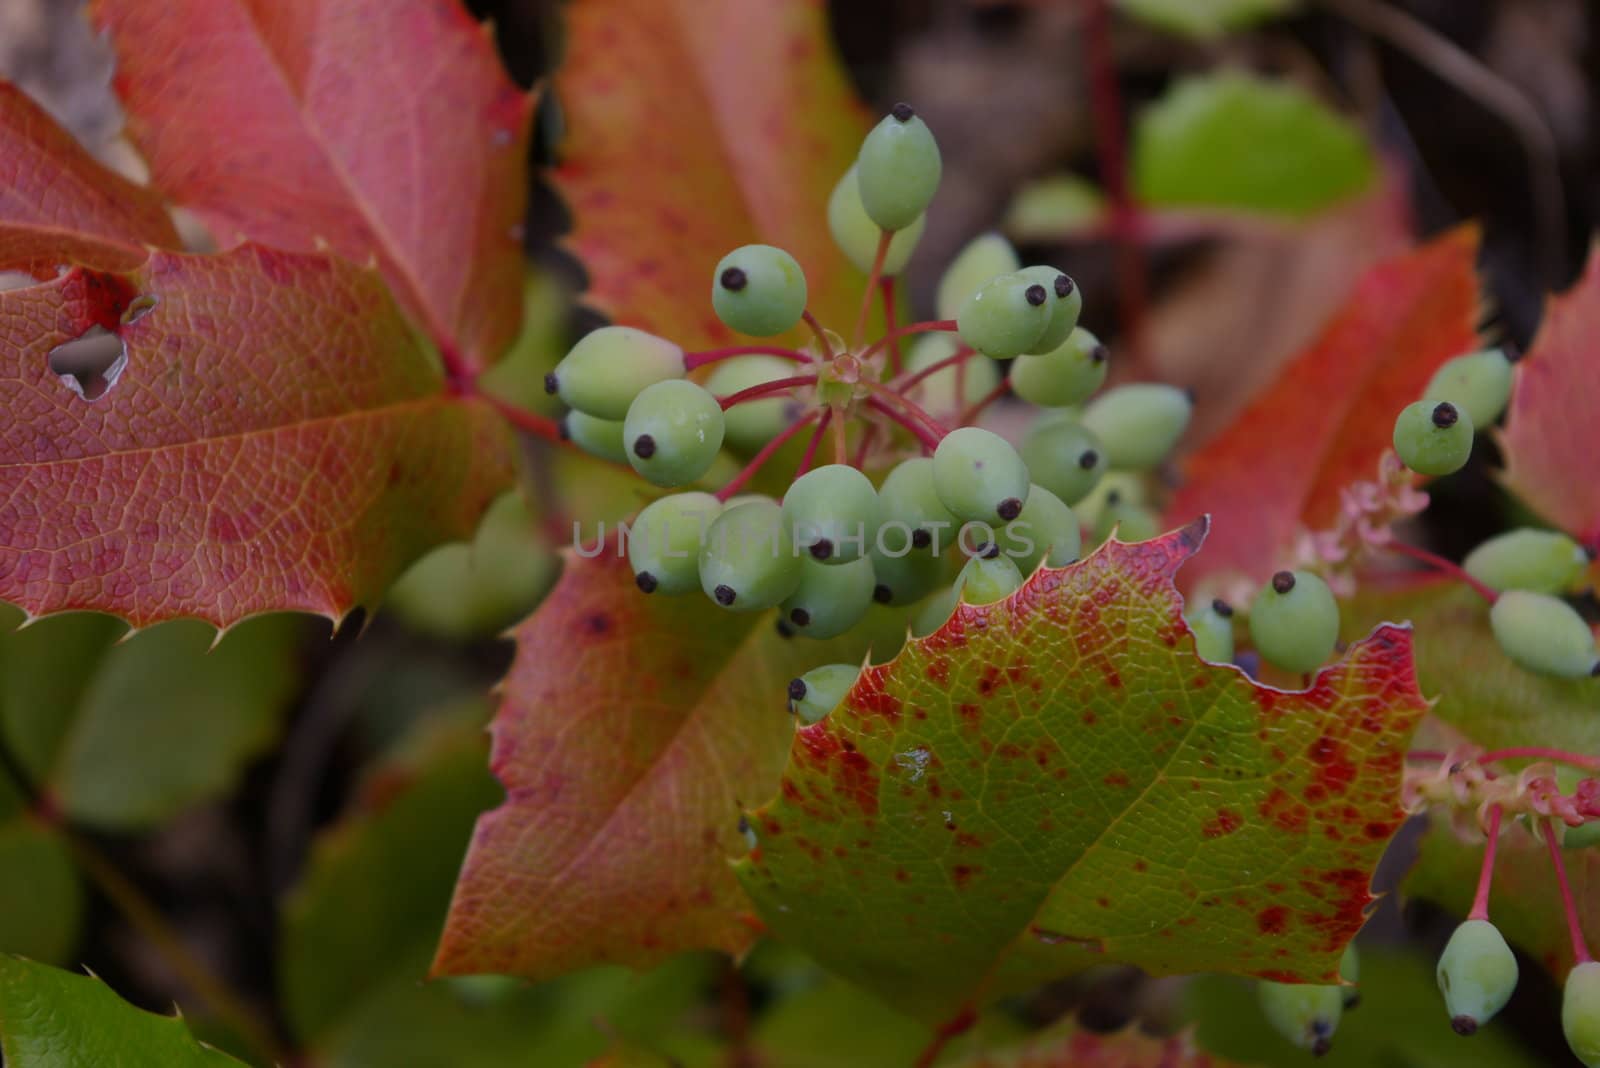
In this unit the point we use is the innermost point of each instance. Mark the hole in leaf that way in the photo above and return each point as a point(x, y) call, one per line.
point(91, 363)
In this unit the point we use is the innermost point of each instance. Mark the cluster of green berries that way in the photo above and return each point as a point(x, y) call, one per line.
point(966, 521)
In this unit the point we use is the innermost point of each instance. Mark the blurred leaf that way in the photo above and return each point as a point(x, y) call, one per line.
point(1066, 1044)
point(519, 376)
point(1231, 140)
point(1057, 780)
point(836, 1025)
point(1552, 436)
point(41, 898)
point(1399, 1023)
point(1051, 208)
point(55, 1019)
point(124, 735)
point(1205, 19)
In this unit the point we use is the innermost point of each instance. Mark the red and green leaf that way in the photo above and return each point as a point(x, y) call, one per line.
point(739, 115)
point(631, 731)
point(1552, 437)
point(278, 440)
point(1057, 781)
point(385, 128)
point(1329, 416)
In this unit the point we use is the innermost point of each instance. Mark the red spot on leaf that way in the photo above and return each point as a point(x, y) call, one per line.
point(1273, 920)
point(1226, 822)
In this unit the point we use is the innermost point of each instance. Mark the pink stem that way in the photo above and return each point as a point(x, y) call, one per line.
point(1539, 752)
point(822, 336)
point(761, 389)
point(811, 446)
point(691, 360)
point(1425, 756)
point(879, 390)
point(841, 442)
point(886, 287)
point(961, 356)
point(1580, 948)
point(929, 442)
point(913, 328)
point(736, 483)
point(1480, 903)
point(884, 237)
point(868, 436)
point(1439, 563)
point(532, 422)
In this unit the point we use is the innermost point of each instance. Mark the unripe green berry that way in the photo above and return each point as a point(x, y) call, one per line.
point(759, 290)
point(665, 539)
point(1433, 437)
point(936, 611)
point(1047, 530)
point(898, 169)
point(833, 513)
point(1068, 374)
point(1116, 491)
point(752, 423)
point(673, 432)
point(1543, 634)
point(748, 562)
point(1064, 457)
point(1580, 1012)
point(985, 257)
point(1477, 974)
point(1294, 621)
point(1139, 424)
point(1065, 304)
point(816, 693)
point(903, 575)
point(830, 599)
point(597, 437)
point(1212, 625)
point(908, 496)
point(1129, 520)
point(1006, 317)
point(979, 476)
point(1306, 1014)
point(1543, 561)
point(1478, 383)
point(988, 577)
point(609, 367)
point(857, 235)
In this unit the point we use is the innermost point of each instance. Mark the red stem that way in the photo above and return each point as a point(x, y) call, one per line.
point(736, 483)
point(1439, 563)
point(840, 441)
point(961, 356)
point(884, 237)
point(913, 328)
point(868, 436)
point(811, 446)
point(1425, 756)
point(534, 423)
point(1580, 948)
point(761, 389)
point(1539, 752)
point(1480, 903)
point(822, 336)
point(691, 360)
point(972, 413)
point(877, 389)
point(956, 1026)
point(886, 287)
point(929, 442)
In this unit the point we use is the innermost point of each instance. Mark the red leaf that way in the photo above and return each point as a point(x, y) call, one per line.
point(57, 205)
point(1552, 435)
point(696, 128)
point(385, 128)
point(1329, 416)
point(277, 440)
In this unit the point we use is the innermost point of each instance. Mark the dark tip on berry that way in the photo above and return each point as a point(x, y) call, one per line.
point(1594, 672)
point(1188, 394)
point(821, 549)
point(1222, 608)
point(1445, 415)
point(1009, 509)
point(990, 551)
point(1064, 286)
point(550, 383)
point(1036, 295)
point(733, 279)
point(1088, 459)
point(1099, 354)
point(1114, 498)
point(563, 429)
point(1464, 1025)
point(799, 617)
point(644, 446)
point(797, 689)
point(903, 112)
point(921, 539)
point(882, 594)
point(1513, 353)
point(1283, 581)
point(1352, 1000)
point(784, 630)
point(646, 582)
point(1321, 1046)
point(724, 595)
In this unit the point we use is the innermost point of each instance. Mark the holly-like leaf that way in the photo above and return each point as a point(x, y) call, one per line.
point(1329, 416)
point(1067, 1044)
point(1231, 140)
point(55, 1019)
point(57, 205)
point(632, 729)
point(741, 115)
point(386, 128)
point(1204, 19)
point(276, 439)
point(1551, 436)
point(1057, 780)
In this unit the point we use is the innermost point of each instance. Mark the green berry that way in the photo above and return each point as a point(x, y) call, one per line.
point(1433, 437)
point(857, 235)
point(751, 424)
point(1006, 317)
point(1065, 303)
point(597, 437)
point(673, 431)
point(1477, 973)
point(908, 497)
point(748, 562)
point(816, 693)
point(952, 390)
point(759, 290)
point(1117, 491)
point(1212, 625)
point(833, 513)
point(1046, 530)
point(830, 599)
point(609, 367)
point(936, 611)
point(984, 257)
point(988, 577)
point(898, 169)
point(1139, 424)
point(1580, 1012)
point(1068, 374)
point(1127, 519)
point(902, 575)
point(1543, 634)
point(1294, 621)
point(1306, 1014)
point(1543, 561)
point(665, 539)
point(1064, 457)
point(979, 476)
point(1478, 383)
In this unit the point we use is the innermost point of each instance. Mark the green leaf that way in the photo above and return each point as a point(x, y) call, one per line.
point(1231, 140)
point(41, 899)
point(55, 1019)
point(1481, 693)
point(124, 735)
point(1057, 780)
point(1205, 19)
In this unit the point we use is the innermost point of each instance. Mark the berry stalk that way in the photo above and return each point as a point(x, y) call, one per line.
point(905, 331)
point(1580, 948)
point(822, 335)
point(1480, 902)
point(1539, 752)
point(961, 356)
point(691, 360)
point(884, 237)
point(737, 482)
point(534, 423)
point(928, 441)
point(810, 455)
point(908, 405)
point(762, 389)
point(1439, 563)
point(886, 287)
